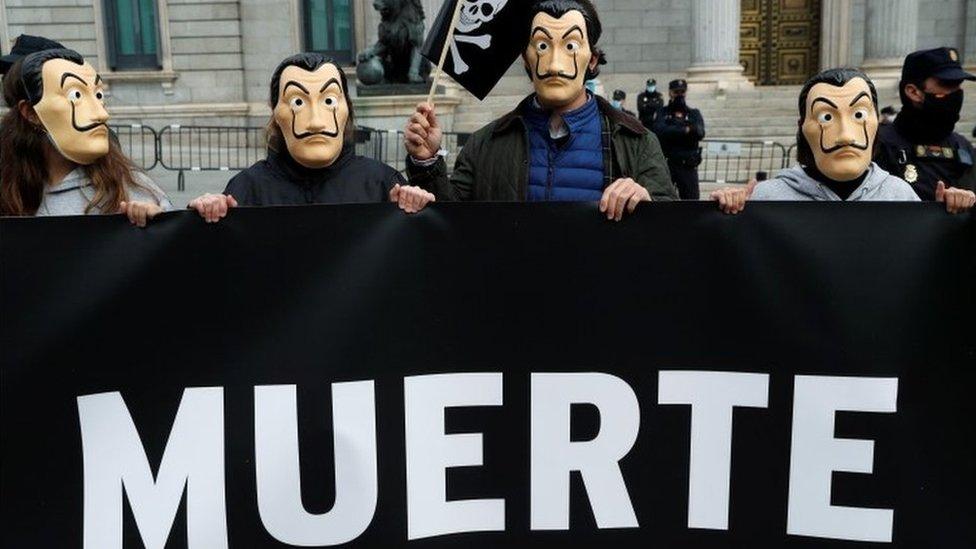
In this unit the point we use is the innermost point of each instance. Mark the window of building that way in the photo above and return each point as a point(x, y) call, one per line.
point(132, 34)
point(329, 28)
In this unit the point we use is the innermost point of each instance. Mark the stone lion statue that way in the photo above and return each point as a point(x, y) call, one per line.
point(395, 58)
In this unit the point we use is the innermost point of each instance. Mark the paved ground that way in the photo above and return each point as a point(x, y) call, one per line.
point(197, 183)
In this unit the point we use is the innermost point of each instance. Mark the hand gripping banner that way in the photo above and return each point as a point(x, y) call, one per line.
point(477, 376)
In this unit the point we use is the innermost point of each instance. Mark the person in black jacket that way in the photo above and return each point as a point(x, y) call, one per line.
point(311, 153)
point(680, 129)
point(619, 98)
point(922, 146)
point(648, 103)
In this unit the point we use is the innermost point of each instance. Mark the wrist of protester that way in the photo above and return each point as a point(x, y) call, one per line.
point(428, 162)
point(424, 163)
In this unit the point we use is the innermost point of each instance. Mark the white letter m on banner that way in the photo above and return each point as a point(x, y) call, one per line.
point(115, 460)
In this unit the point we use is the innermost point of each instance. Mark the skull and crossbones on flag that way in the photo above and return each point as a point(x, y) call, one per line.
point(484, 43)
point(474, 14)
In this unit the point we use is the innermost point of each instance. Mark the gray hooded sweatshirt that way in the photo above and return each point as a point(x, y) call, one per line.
point(73, 194)
point(795, 184)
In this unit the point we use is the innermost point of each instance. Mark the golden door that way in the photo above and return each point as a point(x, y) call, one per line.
point(780, 40)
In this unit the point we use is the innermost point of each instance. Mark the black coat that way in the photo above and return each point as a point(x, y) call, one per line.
point(280, 181)
point(680, 135)
point(923, 165)
point(647, 107)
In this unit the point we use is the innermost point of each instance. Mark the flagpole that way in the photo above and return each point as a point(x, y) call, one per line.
point(447, 45)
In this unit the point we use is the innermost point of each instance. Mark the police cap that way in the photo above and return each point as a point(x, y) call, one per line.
point(941, 63)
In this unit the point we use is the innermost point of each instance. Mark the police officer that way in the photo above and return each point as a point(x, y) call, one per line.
point(680, 129)
point(921, 146)
point(619, 99)
point(648, 103)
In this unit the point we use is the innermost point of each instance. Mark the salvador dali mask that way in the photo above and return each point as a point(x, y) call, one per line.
point(72, 111)
point(557, 58)
point(840, 126)
point(311, 114)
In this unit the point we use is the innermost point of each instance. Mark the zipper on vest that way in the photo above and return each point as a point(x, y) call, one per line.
point(550, 171)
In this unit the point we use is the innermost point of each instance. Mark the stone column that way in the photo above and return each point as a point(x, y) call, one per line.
point(892, 33)
point(5, 37)
point(969, 55)
point(715, 43)
point(835, 36)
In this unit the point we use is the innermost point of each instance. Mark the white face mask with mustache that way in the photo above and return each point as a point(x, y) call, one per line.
point(311, 114)
point(840, 126)
point(72, 112)
point(557, 57)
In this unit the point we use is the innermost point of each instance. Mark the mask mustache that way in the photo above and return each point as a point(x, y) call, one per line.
point(82, 129)
point(836, 148)
point(559, 74)
point(325, 133)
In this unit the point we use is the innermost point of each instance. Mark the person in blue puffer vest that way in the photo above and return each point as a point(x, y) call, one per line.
point(562, 143)
point(567, 167)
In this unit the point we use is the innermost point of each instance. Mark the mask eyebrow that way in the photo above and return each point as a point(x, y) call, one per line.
point(572, 30)
point(67, 75)
point(98, 79)
point(332, 81)
point(297, 85)
point(823, 100)
point(543, 31)
point(858, 98)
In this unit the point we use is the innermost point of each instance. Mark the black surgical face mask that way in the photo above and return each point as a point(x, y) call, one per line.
point(935, 119)
point(678, 103)
point(943, 109)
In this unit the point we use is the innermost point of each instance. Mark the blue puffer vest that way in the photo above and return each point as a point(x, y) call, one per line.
point(574, 171)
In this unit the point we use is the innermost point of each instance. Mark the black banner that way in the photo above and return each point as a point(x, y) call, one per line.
point(797, 376)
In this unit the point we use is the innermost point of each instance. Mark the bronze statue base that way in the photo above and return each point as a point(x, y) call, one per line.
point(395, 89)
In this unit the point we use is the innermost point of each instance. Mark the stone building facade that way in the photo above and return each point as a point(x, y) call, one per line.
point(211, 59)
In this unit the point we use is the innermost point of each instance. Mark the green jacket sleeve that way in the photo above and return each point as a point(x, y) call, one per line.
point(459, 187)
point(652, 170)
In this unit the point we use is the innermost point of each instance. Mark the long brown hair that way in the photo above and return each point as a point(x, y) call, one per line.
point(24, 171)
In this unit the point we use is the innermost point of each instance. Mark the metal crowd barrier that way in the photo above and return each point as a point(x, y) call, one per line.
point(387, 146)
point(209, 148)
point(225, 148)
point(138, 142)
point(790, 156)
point(737, 161)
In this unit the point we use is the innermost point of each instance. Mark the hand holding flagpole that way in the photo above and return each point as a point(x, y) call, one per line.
point(447, 44)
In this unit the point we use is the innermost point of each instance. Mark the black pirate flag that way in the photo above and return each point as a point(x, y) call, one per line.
point(489, 36)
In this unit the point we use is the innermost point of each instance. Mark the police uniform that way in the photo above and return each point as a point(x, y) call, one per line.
point(620, 95)
point(920, 161)
point(680, 132)
point(924, 165)
point(648, 104)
